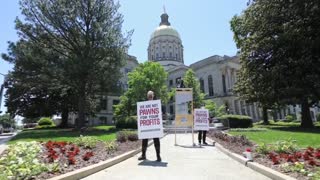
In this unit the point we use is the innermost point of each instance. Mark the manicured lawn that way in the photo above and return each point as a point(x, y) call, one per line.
point(284, 131)
point(105, 133)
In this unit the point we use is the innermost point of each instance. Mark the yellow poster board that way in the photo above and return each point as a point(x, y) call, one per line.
point(184, 107)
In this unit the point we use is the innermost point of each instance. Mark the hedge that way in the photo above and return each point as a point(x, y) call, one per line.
point(237, 121)
point(45, 121)
point(127, 123)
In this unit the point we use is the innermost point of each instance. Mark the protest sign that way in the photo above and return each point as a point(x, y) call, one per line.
point(201, 119)
point(149, 119)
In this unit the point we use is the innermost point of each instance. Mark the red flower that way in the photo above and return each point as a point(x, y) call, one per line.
point(312, 162)
point(317, 155)
point(87, 156)
point(310, 149)
point(71, 160)
point(248, 150)
point(275, 160)
point(298, 155)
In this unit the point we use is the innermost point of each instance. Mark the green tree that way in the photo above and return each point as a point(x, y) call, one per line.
point(35, 86)
point(191, 81)
point(214, 110)
point(7, 121)
point(147, 76)
point(87, 35)
point(279, 52)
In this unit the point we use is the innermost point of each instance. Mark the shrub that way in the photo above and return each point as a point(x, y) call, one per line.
point(127, 123)
point(263, 149)
point(285, 146)
point(46, 127)
point(289, 118)
point(133, 136)
point(111, 146)
point(45, 121)
point(237, 121)
point(86, 141)
point(21, 162)
point(123, 136)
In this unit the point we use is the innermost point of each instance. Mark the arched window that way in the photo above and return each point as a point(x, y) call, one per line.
point(210, 85)
point(202, 85)
point(224, 83)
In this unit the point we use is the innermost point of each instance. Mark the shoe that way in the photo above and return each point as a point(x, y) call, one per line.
point(159, 158)
point(205, 143)
point(199, 144)
point(142, 158)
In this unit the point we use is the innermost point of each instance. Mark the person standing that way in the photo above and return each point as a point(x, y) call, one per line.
point(156, 141)
point(202, 135)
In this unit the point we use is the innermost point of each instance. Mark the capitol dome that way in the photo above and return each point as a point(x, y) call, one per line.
point(164, 30)
point(165, 45)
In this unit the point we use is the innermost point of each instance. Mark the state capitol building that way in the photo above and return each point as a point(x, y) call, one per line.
point(217, 76)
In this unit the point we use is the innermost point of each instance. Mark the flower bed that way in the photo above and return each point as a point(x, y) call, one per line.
point(52, 158)
point(283, 156)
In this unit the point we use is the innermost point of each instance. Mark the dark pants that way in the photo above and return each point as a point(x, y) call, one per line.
point(203, 137)
point(156, 142)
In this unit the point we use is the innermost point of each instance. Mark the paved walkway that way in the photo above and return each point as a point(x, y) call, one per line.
point(4, 138)
point(180, 162)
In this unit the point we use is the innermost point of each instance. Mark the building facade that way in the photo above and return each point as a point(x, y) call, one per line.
point(217, 76)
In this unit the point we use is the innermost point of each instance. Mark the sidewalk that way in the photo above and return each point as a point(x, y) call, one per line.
point(179, 162)
point(4, 138)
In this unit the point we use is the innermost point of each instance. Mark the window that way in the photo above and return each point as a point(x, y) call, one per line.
point(236, 107)
point(178, 81)
point(157, 55)
point(170, 82)
point(170, 55)
point(163, 55)
point(224, 83)
point(127, 70)
point(103, 104)
point(103, 120)
point(176, 56)
point(243, 110)
point(202, 85)
point(152, 57)
point(210, 85)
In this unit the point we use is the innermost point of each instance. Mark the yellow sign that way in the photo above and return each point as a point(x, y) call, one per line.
point(184, 107)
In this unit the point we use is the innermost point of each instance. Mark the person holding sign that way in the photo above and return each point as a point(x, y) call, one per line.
point(143, 120)
point(201, 123)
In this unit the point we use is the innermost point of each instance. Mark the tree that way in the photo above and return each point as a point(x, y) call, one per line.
point(35, 86)
point(214, 111)
point(147, 76)
point(87, 35)
point(7, 121)
point(279, 51)
point(190, 81)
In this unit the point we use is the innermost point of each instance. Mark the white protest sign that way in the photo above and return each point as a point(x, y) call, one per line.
point(201, 119)
point(149, 119)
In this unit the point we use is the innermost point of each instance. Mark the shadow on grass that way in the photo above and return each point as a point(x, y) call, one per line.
point(315, 130)
point(57, 133)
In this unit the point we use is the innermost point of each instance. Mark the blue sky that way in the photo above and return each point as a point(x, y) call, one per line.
point(203, 26)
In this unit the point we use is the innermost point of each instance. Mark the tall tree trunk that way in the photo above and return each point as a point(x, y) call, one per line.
point(265, 115)
point(81, 111)
point(306, 121)
point(64, 118)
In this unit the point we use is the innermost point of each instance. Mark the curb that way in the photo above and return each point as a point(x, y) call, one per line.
point(253, 165)
point(86, 171)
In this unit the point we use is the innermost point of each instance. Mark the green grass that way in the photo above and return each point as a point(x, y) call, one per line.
point(104, 133)
point(283, 131)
